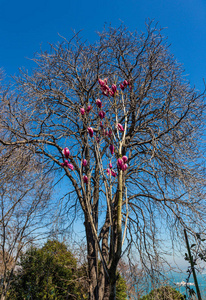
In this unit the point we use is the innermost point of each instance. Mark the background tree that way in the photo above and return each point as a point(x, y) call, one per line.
point(140, 125)
point(47, 273)
point(24, 198)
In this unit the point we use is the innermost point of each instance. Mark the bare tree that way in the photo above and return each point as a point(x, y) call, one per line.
point(24, 198)
point(132, 125)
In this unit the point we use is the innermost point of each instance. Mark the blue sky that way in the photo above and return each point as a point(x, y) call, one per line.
point(25, 26)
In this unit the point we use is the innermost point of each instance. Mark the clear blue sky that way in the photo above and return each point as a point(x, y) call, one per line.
point(27, 25)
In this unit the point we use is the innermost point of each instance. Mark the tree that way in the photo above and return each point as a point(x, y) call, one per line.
point(164, 293)
point(46, 273)
point(24, 199)
point(123, 108)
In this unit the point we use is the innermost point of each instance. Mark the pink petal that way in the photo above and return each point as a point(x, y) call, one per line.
point(99, 103)
point(85, 179)
point(120, 127)
point(66, 152)
point(124, 158)
point(84, 162)
point(82, 111)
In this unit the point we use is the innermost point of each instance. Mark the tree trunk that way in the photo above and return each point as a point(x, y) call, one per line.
point(92, 257)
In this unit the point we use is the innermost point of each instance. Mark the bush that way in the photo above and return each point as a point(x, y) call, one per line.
point(164, 293)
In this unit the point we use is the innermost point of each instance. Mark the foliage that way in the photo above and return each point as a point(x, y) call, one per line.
point(46, 273)
point(164, 293)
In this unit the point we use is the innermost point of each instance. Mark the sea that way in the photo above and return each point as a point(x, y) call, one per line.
point(178, 280)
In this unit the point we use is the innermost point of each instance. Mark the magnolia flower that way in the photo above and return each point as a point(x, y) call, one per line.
point(66, 152)
point(125, 83)
point(111, 93)
point(103, 82)
point(111, 148)
point(70, 166)
point(84, 162)
point(85, 179)
point(82, 111)
point(124, 158)
point(120, 164)
point(90, 131)
point(125, 166)
point(66, 164)
point(114, 174)
point(110, 165)
point(101, 114)
point(120, 127)
point(122, 87)
point(99, 103)
point(89, 107)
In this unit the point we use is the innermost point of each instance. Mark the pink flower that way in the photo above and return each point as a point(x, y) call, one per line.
point(110, 165)
point(125, 83)
point(89, 107)
point(120, 127)
point(105, 90)
point(111, 148)
point(84, 163)
point(66, 152)
point(85, 179)
point(66, 164)
point(82, 111)
point(122, 87)
point(70, 166)
point(114, 174)
point(124, 158)
point(111, 93)
point(125, 166)
point(90, 131)
point(120, 164)
point(108, 171)
point(101, 114)
point(103, 82)
point(99, 103)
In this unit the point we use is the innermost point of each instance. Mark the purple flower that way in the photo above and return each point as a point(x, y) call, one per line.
point(70, 166)
point(120, 127)
point(103, 82)
point(90, 131)
point(111, 148)
point(66, 152)
point(110, 165)
point(114, 174)
point(101, 114)
point(125, 83)
point(82, 111)
point(122, 87)
point(85, 179)
point(84, 163)
point(120, 164)
point(125, 166)
point(124, 158)
point(99, 103)
point(89, 107)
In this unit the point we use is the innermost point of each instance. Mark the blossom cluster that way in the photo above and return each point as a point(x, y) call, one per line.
point(106, 91)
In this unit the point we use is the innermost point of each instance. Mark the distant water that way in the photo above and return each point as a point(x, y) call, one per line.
point(174, 278)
